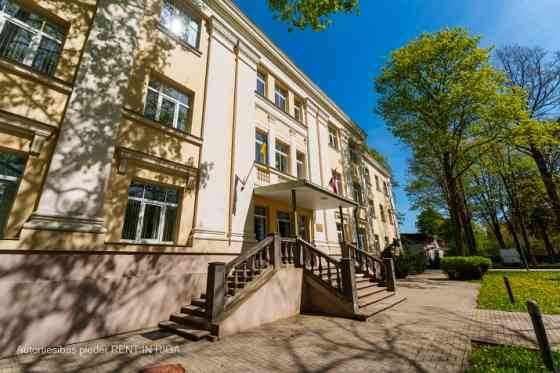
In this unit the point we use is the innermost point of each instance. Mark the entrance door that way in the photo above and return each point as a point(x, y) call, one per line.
point(303, 227)
point(283, 221)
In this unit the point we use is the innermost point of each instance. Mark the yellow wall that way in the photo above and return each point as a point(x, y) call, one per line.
point(274, 206)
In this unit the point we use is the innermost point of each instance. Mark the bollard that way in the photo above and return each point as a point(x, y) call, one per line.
point(508, 287)
point(540, 332)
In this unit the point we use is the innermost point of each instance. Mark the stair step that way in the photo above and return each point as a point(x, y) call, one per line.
point(364, 293)
point(189, 333)
point(360, 280)
point(200, 302)
point(194, 310)
point(192, 321)
point(367, 301)
point(378, 307)
point(366, 285)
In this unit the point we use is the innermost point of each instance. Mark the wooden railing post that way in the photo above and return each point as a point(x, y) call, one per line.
point(390, 279)
point(276, 251)
point(215, 290)
point(349, 281)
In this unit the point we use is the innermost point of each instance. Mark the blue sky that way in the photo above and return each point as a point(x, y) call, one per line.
point(344, 59)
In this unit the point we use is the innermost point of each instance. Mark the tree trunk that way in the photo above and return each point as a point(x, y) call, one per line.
point(454, 210)
point(547, 245)
point(548, 180)
point(525, 235)
point(495, 223)
point(467, 222)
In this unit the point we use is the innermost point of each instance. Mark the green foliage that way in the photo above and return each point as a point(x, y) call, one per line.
point(441, 95)
point(501, 359)
point(543, 287)
point(430, 222)
point(407, 264)
point(315, 14)
point(465, 267)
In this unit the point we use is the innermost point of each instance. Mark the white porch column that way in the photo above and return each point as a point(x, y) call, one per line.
point(76, 182)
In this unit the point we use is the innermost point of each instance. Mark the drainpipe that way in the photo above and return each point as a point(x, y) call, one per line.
point(232, 183)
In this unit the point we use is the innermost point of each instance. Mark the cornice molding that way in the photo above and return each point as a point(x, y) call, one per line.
point(124, 156)
point(37, 131)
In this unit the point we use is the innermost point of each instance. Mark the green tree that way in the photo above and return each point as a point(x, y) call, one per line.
point(440, 95)
point(430, 222)
point(315, 14)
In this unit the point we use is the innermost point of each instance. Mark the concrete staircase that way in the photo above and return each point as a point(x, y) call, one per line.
point(373, 297)
point(191, 322)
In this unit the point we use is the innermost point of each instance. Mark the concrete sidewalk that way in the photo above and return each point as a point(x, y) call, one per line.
point(427, 333)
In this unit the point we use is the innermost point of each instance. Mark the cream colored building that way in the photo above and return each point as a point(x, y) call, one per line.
point(134, 138)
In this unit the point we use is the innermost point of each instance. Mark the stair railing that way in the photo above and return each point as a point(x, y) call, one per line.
point(366, 263)
point(232, 278)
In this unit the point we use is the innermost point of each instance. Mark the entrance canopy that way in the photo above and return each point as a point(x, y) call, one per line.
point(309, 196)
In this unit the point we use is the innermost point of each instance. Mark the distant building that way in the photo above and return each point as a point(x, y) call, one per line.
point(417, 242)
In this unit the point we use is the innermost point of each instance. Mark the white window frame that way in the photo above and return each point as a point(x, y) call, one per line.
point(262, 218)
point(260, 143)
point(191, 19)
point(38, 35)
point(164, 205)
point(298, 110)
point(282, 94)
point(338, 181)
point(282, 155)
point(333, 137)
point(300, 164)
point(262, 80)
point(161, 96)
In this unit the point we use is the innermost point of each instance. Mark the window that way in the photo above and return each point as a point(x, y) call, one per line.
point(377, 183)
point(298, 110)
point(372, 209)
point(386, 241)
point(175, 20)
point(29, 38)
point(336, 183)
point(11, 169)
point(151, 213)
point(261, 83)
point(354, 152)
point(280, 97)
point(284, 223)
point(261, 147)
point(385, 188)
point(300, 162)
point(362, 241)
point(357, 191)
point(339, 232)
point(382, 213)
point(333, 137)
point(168, 106)
point(366, 176)
point(260, 223)
point(282, 156)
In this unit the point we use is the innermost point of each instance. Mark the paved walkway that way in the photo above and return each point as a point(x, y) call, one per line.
point(427, 333)
point(512, 328)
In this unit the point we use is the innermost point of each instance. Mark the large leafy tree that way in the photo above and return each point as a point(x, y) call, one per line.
point(440, 95)
point(315, 14)
point(537, 72)
point(430, 222)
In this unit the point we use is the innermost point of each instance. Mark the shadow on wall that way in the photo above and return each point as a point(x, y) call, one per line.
point(61, 297)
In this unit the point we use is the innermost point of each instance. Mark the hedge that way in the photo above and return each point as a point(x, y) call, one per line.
point(406, 264)
point(465, 267)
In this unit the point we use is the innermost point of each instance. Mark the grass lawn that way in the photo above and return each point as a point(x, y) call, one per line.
point(498, 359)
point(543, 287)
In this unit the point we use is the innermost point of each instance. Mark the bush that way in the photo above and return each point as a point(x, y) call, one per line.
point(406, 264)
point(465, 267)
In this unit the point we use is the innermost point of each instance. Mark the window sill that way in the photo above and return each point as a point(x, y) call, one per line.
point(274, 171)
point(29, 73)
point(182, 43)
point(171, 131)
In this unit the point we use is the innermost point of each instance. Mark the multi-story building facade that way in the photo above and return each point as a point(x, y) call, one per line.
point(137, 142)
